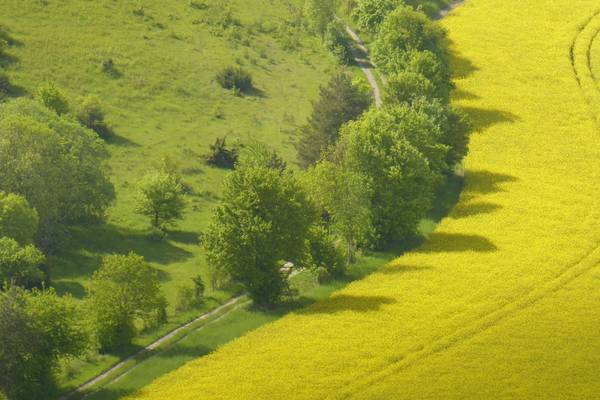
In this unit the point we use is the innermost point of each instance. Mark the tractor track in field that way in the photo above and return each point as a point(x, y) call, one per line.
point(581, 76)
point(589, 260)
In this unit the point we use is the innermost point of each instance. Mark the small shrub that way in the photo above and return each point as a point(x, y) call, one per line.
point(108, 67)
point(222, 157)
point(323, 275)
point(53, 98)
point(235, 78)
point(337, 42)
point(4, 85)
point(139, 11)
point(323, 252)
point(199, 287)
point(198, 5)
point(91, 115)
point(185, 298)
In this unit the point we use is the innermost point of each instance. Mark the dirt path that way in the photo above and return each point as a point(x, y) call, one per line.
point(361, 56)
point(152, 347)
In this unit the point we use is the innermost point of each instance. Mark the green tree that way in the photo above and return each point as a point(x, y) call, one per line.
point(37, 330)
point(400, 175)
point(55, 163)
point(90, 114)
point(405, 30)
point(339, 102)
point(415, 125)
point(53, 98)
point(344, 196)
point(17, 219)
point(123, 291)
point(160, 197)
point(455, 127)
point(319, 13)
point(406, 87)
point(434, 69)
point(263, 218)
point(369, 14)
point(20, 265)
point(323, 253)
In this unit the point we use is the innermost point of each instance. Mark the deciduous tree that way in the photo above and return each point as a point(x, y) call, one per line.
point(263, 218)
point(123, 291)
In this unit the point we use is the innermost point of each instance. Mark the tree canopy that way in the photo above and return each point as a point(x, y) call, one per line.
point(124, 290)
point(55, 163)
point(339, 102)
point(401, 177)
point(263, 218)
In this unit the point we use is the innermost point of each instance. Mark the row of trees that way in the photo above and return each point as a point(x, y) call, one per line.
point(54, 174)
point(370, 176)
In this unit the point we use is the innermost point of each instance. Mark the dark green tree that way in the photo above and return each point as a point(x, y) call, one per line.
point(339, 102)
point(37, 330)
point(56, 164)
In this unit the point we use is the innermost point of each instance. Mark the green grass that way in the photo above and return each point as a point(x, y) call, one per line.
point(162, 101)
point(236, 323)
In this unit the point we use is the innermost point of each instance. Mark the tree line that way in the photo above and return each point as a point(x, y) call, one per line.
point(368, 177)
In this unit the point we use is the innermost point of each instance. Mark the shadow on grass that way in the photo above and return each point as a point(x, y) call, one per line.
point(118, 140)
point(89, 243)
point(72, 287)
point(184, 237)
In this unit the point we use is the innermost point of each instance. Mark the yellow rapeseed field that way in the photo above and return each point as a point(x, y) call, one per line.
point(503, 301)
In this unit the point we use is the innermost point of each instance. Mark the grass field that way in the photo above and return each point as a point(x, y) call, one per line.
point(503, 300)
point(163, 101)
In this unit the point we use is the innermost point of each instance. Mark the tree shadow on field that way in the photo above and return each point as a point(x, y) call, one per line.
point(483, 118)
point(344, 302)
point(485, 182)
point(470, 209)
point(460, 66)
point(439, 242)
point(394, 269)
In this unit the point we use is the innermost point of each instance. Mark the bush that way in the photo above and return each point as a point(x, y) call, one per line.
point(53, 98)
point(190, 296)
point(235, 78)
point(338, 42)
point(4, 85)
point(91, 115)
point(125, 290)
point(369, 14)
point(323, 252)
point(222, 157)
point(323, 275)
point(406, 87)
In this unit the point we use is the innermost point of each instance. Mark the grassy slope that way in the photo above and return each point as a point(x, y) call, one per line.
point(502, 302)
point(164, 104)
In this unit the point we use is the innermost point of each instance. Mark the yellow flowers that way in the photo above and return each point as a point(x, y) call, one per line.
point(503, 301)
